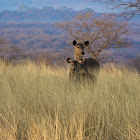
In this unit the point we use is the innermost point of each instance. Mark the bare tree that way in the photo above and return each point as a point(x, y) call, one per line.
point(9, 52)
point(134, 63)
point(15, 53)
point(3, 47)
point(2, 41)
point(103, 33)
point(128, 7)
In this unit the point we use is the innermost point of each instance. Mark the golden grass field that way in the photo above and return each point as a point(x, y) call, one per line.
point(37, 102)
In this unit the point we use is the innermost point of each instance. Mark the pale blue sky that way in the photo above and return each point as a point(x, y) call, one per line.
point(76, 4)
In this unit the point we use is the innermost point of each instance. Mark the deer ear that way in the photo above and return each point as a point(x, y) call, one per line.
point(86, 43)
point(74, 42)
point(81, 61)
point(69, 60)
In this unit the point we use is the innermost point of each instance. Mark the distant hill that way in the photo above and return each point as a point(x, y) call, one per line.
point(47, 14)
point(76, 4)
point(33, 29)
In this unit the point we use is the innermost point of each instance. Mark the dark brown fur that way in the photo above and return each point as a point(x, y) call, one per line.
point(87, 70)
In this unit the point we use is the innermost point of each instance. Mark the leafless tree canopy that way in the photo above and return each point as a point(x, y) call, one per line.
point(9, 52)
point(103, 32)
point(3, 46)
point(128, 7)
point(2, 41)
point(134, 63)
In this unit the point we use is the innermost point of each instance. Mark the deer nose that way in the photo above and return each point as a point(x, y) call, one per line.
point(82, 53)
point(74, 69)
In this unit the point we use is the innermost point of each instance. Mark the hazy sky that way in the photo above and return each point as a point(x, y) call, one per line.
point(76, 4)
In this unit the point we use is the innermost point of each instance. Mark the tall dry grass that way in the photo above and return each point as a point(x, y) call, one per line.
point(38, 103)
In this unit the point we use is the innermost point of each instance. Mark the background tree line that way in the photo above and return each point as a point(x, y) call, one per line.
point(105, 32)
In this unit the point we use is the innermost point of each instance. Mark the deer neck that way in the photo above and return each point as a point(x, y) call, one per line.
point(77, 57)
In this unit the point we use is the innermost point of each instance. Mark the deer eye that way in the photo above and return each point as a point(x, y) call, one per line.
point(77, 47)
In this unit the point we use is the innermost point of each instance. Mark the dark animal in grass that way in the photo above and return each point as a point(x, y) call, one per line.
point(84, 69)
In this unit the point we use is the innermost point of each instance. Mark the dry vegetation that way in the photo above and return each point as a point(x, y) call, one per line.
point(103, 32)
point(38, 102)
point(129, 8)
point(33, 35)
